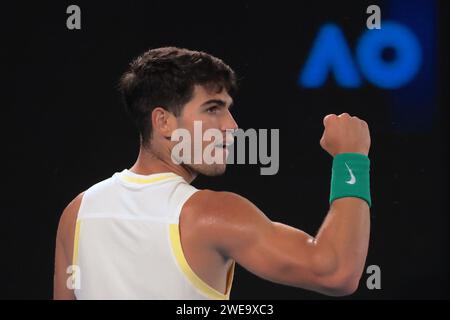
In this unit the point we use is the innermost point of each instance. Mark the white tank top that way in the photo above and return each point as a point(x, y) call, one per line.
point(127, 241)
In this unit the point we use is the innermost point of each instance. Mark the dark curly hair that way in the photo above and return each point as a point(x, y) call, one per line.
point(165, 77)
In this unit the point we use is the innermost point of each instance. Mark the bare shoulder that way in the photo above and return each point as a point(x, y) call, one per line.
point(208, 204)
point(224, 219)
point(67, 221)
point(64, 248)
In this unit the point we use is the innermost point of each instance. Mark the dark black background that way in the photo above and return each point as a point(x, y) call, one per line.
point(64, 129)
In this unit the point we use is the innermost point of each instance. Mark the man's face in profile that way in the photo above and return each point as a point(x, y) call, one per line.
point(210, 109)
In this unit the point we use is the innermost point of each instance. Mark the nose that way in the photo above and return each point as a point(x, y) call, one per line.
point(229, 123)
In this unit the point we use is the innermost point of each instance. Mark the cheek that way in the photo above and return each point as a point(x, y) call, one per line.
point(211, 122)
point(186, 122)
point(198, 123)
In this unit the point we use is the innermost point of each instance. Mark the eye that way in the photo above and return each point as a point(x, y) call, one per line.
point(212, 109)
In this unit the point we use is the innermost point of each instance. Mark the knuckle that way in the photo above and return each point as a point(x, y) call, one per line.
point(328, 118)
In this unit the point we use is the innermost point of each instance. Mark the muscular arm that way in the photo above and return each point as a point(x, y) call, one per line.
point(330, 263)
point(64, 250)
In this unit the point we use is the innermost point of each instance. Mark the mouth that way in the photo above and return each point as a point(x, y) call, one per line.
point(223, 145)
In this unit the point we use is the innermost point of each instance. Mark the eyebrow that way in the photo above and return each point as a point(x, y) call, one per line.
point(219, 102)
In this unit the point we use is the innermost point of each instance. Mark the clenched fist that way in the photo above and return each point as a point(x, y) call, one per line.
point(344, 134)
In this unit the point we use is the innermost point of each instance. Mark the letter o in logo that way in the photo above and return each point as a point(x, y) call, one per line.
point(389, 74)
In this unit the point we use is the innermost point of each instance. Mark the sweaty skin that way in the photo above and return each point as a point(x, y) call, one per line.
point(219, 227)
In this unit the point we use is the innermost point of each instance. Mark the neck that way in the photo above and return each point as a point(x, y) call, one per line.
point(150, 161)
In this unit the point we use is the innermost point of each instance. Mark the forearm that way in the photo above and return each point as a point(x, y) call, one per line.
point(345, 236)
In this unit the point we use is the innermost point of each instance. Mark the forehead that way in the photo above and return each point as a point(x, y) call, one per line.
point(202, 95)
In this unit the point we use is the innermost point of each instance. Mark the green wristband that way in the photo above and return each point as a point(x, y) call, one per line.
point(350, 177)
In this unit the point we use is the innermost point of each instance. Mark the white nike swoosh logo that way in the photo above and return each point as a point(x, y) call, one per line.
point(352, 177)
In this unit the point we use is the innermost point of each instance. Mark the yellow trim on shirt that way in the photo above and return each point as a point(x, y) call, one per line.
point(75, 249)
point(75, 243)
point(190, 274)
point(139, 180)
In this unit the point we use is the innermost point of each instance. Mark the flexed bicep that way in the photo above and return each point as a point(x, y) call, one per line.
point(271, 250)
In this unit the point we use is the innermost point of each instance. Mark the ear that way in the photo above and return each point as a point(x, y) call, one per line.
point(163, 122)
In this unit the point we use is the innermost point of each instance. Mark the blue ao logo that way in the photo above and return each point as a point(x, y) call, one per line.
point(330, 53)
